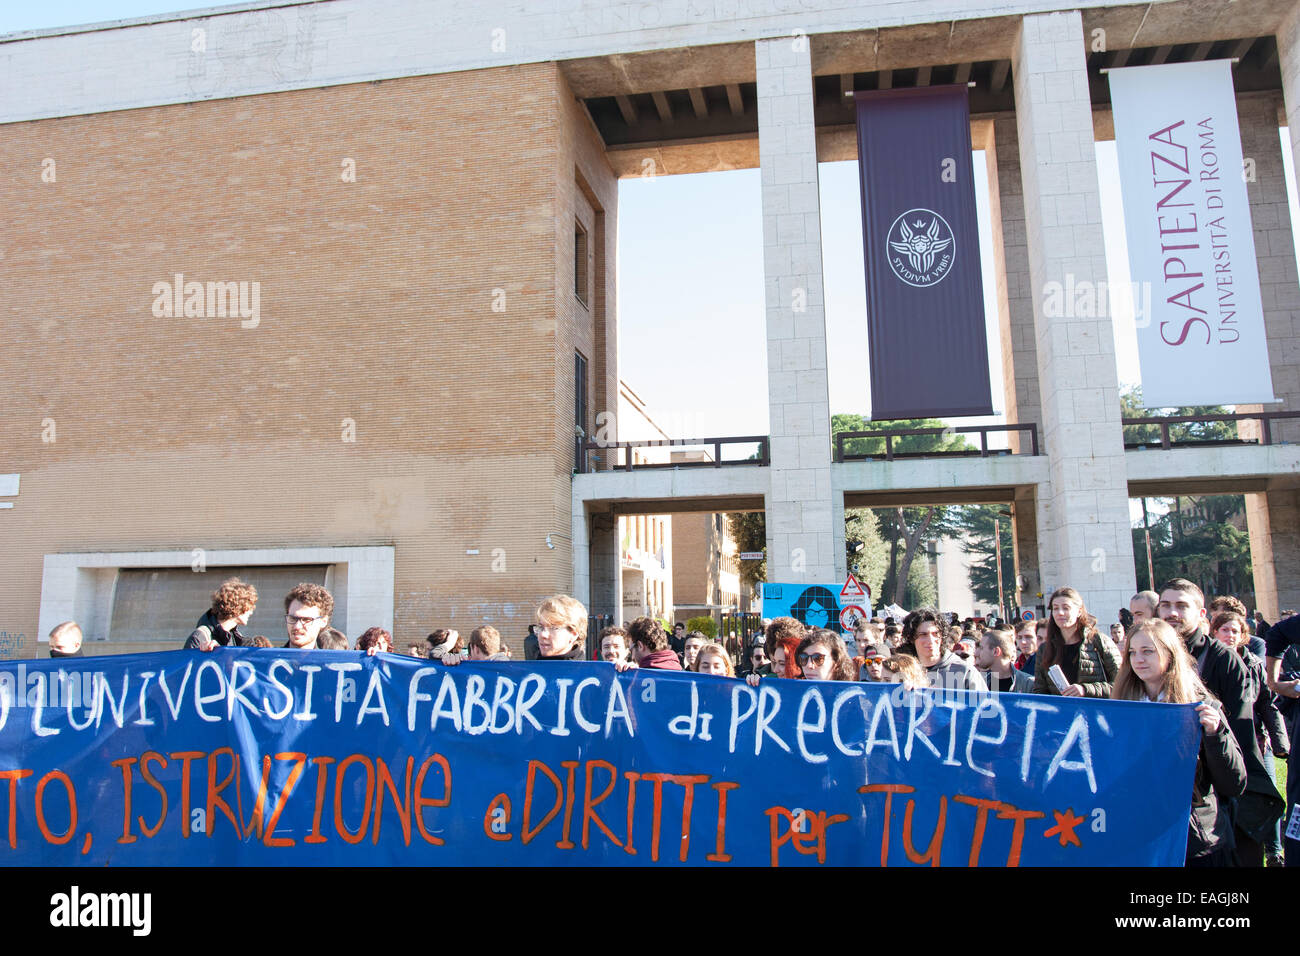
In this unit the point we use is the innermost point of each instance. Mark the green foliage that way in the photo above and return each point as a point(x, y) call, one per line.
point(977, 529)
point(1130, 404)
point(922, 590)
point(1202, 538)
point(705, 625)
point(749, 529)
point(911, 443)
point(870, 562)
point(906, 532)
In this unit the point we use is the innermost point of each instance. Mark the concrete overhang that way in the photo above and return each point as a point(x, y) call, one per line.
point(928, 481)
point(672, 490)
point(1238, 469)
point(1181, 21)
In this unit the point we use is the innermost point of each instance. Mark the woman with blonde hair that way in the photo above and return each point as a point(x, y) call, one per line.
point(1088, 658)
point(714, 659)
point(1159, 668)
point(906, 670)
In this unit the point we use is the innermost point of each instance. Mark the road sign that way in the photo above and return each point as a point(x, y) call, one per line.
point(1027, 614)
point(854, 591)
point(850, 616)
point(751, 555)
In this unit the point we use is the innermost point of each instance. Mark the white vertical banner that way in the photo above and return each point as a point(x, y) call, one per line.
point(1190, 240)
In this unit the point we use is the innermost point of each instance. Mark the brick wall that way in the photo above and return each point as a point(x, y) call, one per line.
point(376, 306)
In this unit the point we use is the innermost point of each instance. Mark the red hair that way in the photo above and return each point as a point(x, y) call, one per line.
point(790, 644)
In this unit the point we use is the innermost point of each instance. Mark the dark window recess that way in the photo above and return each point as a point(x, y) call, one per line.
point(580, 270)
point(579, 408)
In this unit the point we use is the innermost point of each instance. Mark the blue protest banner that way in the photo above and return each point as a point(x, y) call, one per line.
point(273, 757)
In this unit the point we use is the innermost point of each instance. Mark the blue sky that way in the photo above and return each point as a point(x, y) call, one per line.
point(690, 273)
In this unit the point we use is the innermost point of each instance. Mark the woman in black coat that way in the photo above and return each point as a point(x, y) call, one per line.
point(1158, 667)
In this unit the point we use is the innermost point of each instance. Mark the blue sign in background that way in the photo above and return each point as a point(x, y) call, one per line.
point(269, 757)
point(816, 605)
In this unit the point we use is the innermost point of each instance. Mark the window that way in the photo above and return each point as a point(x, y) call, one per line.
point(580, 262)
point(580, 391)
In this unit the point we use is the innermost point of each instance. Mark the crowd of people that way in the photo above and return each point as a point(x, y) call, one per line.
point(1243, 675)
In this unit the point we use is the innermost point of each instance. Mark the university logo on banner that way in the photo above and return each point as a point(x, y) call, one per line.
point(925, 293)
point(922, 243)
point(1190, 239)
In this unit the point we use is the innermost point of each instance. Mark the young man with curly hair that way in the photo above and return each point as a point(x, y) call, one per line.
point(648, 645)
point(232, 605)
point(307, 610)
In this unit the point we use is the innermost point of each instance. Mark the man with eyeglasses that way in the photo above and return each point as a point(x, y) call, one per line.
point(561, 629)
point(307, 610)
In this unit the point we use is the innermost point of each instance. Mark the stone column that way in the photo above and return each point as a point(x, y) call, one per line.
point(1019, 349)
point(805, 527)
point(604, 578)
point(1083, 519)
point(1271, 516)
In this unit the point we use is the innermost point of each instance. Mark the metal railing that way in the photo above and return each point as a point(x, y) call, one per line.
point(1265, 420)
point(889, 435)
point(583, 453)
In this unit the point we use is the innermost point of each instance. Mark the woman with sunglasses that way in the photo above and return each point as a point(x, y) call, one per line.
point(821, 655)
point(1158, 667)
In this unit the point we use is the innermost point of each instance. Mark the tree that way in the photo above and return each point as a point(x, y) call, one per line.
point(1201, 538)
point(1130, 404)
point(921, 589)
point(706, 625)
point(949, 441)
point(749, 529)
point(978, 525)
point(867, 551)
point(905, 531)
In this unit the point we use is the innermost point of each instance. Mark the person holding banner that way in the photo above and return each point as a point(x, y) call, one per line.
point(782, 642)
point(1159, 668)
point(1086, 656)
point(307, 610)
point(1259, 812)
point(232, 605)
point(822, 656)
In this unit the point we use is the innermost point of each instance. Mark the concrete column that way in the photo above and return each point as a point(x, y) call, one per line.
point(1024, 526)
point(1272, 516)
point(1083, 520)
point(1019, 348)
point(1270, 215)
point(606, 581)
point(805, 527)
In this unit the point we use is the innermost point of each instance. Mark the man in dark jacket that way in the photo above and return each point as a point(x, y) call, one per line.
point(1182, 606)
point(232, 605)
point(1282, 638)
point(65, 640)
point(649, 646)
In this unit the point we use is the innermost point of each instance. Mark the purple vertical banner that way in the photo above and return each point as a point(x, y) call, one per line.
point(925, 293)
